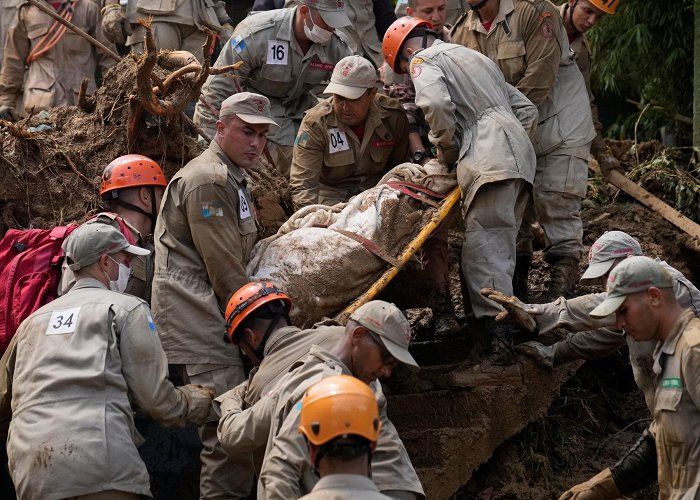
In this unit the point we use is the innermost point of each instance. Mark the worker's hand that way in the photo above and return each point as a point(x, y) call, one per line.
point(600, 487)
point(233, 400)
point(8, 113)
point(114, 24)
point(225, 32)
point(608, 163)
point(543, 354)
point(199, 400)
point(518, 312)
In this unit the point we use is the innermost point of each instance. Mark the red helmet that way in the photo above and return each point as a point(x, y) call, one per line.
point(397, 34)
point(249, 298)
point(131, 171)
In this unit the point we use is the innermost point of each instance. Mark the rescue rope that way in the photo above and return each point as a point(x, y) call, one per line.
point(53, 35)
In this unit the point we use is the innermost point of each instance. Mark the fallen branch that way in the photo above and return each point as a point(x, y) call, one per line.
point(678, 117)
point(75, 169)
point(15, 130)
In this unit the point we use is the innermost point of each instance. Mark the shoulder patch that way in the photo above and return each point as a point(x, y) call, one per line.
point(692, 332)
point(302, 138)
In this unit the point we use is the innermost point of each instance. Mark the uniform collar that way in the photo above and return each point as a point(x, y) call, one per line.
point(327, 357)
point(277, 337)
point(504, 9)
point(286, 29)
point(88, 283)
point(345, 481)
point(668, 347)
point(236, 172)
point(373, 121)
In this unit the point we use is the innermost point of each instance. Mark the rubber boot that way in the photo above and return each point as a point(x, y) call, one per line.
point(445, 323)
point(563, 276)
point(520, 276)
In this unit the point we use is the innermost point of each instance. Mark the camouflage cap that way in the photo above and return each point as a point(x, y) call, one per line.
point(351, 78)
point(606, 250)
point(387, 321)
point(86, 244)
point(249, 107)
point(634, 275)
point(332, 11)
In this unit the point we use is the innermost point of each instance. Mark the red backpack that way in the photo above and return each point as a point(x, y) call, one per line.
point(30, 271)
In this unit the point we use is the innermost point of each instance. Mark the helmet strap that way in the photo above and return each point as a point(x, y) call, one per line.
point(260, 351)
point(154, 209)
point(152, 216)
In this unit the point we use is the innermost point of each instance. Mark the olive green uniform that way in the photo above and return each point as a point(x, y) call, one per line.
point(330, 164)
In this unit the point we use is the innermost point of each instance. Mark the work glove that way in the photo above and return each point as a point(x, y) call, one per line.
point(516, 310)
point(233, 400)
point(543, 354)
point(225, 32)
point(600, 487)
point(114, 24)
point(8, 113)
point(199, 399)
point(608, 163)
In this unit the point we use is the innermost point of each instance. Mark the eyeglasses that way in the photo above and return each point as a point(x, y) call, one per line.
point(387, 357)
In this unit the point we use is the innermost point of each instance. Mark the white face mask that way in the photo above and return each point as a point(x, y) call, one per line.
point(122, 278)
point(316, 34)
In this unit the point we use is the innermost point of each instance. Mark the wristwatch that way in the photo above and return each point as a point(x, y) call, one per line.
point(420, 155)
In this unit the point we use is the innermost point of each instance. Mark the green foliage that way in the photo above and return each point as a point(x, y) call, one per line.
point(645, 52)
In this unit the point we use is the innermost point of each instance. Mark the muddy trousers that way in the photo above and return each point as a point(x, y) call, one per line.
point(221, 477)
point(169, 36)
point(560, 184)
point(488, 254)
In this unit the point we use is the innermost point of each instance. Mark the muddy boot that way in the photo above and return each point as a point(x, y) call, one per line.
point(520, 275)
point(445, 323)
point(563, 276)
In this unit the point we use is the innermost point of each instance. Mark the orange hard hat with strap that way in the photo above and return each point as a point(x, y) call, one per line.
point(339, 406)
point(607, 6)
point(130, 171)
point(248, 299)
point(397, 34)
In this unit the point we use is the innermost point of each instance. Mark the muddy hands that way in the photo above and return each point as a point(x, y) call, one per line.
point(518, 312)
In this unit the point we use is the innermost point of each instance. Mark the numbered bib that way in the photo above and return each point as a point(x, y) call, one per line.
point(244, 207)
point(277, 51)
point(338, 141)
point(62, 322)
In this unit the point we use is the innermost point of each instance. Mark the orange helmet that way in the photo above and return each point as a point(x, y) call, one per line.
point(131, 171)
point(249, 298)
point(607, 6)
point(397, 34)
point(339, 406)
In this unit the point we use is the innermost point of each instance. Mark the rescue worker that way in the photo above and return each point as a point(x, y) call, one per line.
point(640, 293)
point(361, 33)
point(54, 58)
point(176, 25)
point(451, 12)
point(8, 17)
point(579, 16)
point(339, 419)
point(287, 54)
point(205, 232)
point(76, 371)
point(527, 40)
point(479, 123)
point(348, 141)
point(594, 338)
point(374, 340)
point(132, 187)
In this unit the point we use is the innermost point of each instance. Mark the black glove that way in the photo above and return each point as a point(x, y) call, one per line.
point(638, 468)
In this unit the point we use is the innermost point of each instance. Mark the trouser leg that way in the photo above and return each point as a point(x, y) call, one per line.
point(221, 477)
point(488, 254)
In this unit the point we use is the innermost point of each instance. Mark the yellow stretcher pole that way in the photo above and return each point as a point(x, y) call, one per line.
point(411, 248)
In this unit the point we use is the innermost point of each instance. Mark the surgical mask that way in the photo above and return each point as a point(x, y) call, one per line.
point(122, 278)
point(316, 34)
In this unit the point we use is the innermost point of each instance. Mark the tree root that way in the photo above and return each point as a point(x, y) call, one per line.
point(16, 131)
point(85, 102)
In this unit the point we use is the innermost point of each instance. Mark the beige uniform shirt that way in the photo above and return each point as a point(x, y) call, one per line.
point(204, 235)
point(528, 42)
point(200, 13)
point(73, 375)
point(139, 284)
point(54, 78)
point(345, 486)
point(476, 119)
point(677, 410)
point(274, 66)
point(582, 50)
point(8, 17)
point(330, 164)
point(286, 472)
point(596, 338)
